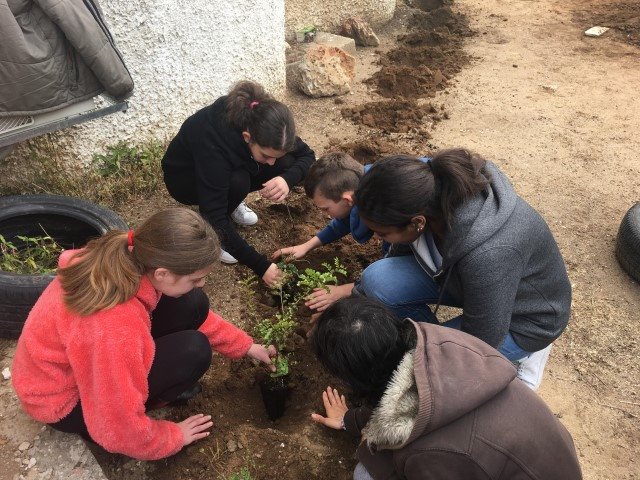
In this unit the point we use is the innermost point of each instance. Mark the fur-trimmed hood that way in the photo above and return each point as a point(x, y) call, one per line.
point(453, 378)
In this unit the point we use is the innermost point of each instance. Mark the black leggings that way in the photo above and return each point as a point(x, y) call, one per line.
point(183, 354)
point(183, 187)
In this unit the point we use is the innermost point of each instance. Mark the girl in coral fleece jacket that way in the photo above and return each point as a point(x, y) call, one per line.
point(124, 327)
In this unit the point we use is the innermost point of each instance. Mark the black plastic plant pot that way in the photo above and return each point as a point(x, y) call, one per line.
point(275, 392)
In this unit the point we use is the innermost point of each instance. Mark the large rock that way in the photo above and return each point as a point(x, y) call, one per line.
point(360, 31)
point(326, 71)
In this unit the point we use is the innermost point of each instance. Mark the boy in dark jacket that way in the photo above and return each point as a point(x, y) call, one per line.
point(438, 403)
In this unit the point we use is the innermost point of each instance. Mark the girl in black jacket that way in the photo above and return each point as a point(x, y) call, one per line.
point(243, 142)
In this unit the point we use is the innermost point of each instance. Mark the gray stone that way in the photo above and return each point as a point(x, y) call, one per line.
point(330, 40)
point(23, 446)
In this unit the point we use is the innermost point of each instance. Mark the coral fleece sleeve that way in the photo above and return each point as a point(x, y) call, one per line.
point(224, 337)
point(111, 356)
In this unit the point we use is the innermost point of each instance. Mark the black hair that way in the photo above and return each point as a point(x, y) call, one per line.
point(269, 122)
point(332, 175)
point(400, 187)
point(361, 342)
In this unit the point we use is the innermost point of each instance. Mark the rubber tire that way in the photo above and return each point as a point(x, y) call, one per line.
point(70, 221)
point(628, 242)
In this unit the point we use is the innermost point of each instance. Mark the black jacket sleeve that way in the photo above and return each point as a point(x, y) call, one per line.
point(304, 158)
point(212, 174)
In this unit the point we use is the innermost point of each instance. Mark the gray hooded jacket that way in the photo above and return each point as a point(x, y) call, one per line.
point(454, 410)
point(501, 262)
point(56, 53)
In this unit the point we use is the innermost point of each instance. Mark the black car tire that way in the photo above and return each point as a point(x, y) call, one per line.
point(70, 221)
point(628, 242)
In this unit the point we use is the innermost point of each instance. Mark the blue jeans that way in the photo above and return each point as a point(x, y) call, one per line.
point(403, 286)
point(407, 290)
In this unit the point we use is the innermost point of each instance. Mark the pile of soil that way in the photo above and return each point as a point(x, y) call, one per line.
point(424, 61)
point(621, 16)
point(397, 116)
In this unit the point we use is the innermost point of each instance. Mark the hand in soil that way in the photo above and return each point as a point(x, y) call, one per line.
point(272, 276)
point(320, 299)
point(275, 189)
point(263, 354)
point(335, 406)
point(193, 428)
point(297, 251)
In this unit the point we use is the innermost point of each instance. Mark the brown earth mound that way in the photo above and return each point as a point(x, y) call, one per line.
point(424, 61)
point(397, 116)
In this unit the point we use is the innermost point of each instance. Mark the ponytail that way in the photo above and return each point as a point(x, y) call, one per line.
point(400, 187)
point(268, 121)
point(459, 176)
point(108, 270)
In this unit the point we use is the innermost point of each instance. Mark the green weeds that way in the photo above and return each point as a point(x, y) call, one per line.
point(33, 256)
point(113, 178)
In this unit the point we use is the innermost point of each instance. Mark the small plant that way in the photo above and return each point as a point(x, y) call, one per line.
point(243, 474)
point(36, 255)
point(276, 332)
point(121, 158)
point(278, 329)
point(310, 279)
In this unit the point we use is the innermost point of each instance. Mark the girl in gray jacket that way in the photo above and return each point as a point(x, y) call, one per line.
point(476, 245)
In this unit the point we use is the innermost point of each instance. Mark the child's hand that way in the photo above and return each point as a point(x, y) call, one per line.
point(193, 428)
point(297, 251)
point(275, 189)
point(320, 299)
point(263, 354)
point(272, 276)
point(336, 406)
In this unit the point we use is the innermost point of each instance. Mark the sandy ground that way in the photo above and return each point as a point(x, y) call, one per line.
point(559, 112)
point(564, 126)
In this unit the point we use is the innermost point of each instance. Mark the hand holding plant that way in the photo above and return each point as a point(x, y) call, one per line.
point(263, 354)
point(272, 276)
point(335, 406)
point(321, 298)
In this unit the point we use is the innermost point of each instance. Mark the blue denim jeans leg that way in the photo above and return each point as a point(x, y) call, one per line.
point(404, 287)
point(510, 349)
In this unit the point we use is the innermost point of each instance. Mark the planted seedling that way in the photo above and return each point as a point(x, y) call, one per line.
point(292, 289)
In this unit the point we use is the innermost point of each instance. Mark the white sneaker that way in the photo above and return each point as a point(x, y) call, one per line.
point(226, 257)
point(531, 368)
point(243, 215)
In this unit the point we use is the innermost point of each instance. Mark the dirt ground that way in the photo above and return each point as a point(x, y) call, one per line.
point(518, 82)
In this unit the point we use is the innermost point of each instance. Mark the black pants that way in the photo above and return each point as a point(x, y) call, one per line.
point(183, 187)
point(183, 354)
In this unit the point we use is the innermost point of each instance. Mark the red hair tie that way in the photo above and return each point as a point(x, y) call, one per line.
point(130, 239)
point(253, 104)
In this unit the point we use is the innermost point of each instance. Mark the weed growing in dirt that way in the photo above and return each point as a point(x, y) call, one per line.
point(112, 179)
point(33, 256)
point(130, 169)
point(243, 474)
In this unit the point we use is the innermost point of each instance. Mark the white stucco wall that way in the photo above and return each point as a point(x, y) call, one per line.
point(183, 54)
point(328, 15)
